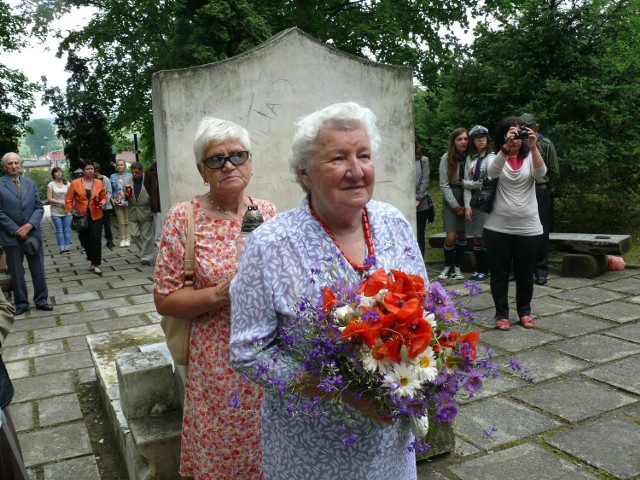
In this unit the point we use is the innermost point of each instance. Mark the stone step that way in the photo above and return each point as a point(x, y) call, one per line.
point(157, 439)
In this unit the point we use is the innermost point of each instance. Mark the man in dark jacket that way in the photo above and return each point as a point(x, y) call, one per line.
point(21, 212)
point(152, 187)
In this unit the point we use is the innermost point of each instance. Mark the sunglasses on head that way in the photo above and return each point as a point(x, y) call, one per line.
point(217, 162)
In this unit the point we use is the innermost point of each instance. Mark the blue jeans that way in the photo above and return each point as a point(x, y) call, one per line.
point(63, 230)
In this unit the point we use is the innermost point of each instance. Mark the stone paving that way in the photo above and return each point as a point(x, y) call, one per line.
point(578, 419)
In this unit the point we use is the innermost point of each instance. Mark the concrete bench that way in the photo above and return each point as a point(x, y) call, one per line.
point(585, 253)
point(150, 403)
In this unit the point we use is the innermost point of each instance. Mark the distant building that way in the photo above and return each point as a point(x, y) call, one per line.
point(41, 163)
point(129, 157)
point(56, 159)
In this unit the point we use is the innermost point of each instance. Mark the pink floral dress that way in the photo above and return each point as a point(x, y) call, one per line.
point(221, 423)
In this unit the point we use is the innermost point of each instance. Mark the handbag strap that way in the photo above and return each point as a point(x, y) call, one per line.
point(189, 254)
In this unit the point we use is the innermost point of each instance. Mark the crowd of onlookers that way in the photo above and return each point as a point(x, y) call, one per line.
point(510, 242)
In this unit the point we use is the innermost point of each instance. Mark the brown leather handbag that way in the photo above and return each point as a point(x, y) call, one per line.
point(176, 329)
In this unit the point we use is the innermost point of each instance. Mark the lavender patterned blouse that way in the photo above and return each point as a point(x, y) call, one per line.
point(273, 274)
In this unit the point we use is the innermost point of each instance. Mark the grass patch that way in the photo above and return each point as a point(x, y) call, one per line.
point(110, 464)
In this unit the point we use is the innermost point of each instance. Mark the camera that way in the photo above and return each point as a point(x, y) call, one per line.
point(521, 134)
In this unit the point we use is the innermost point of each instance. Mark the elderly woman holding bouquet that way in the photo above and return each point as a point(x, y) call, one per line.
point(221, 423)
point(337, 228)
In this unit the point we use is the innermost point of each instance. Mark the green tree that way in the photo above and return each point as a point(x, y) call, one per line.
point(567, 63)
point(16, 92)
point(80, 121)
point(128, 41)
point(42, 136)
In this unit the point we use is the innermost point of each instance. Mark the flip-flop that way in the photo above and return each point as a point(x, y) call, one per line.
point(503, 324)
point(527, 322)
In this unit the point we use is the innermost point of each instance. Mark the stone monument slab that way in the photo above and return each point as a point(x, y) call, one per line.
point(265, 90)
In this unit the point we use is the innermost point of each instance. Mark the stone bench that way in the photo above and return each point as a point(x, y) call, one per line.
point(585, 253)
point(150, 403)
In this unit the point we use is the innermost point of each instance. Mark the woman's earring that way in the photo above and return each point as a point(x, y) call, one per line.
point(252, 173)
point(206, 184)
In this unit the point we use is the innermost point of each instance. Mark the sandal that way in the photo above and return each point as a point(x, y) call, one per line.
point(97, 271)
point(527, 322)
point(503, 324)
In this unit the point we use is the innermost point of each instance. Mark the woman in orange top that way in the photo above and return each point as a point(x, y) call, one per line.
point(88, 192)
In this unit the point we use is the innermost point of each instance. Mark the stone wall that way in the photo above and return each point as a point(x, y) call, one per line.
point(265, 90)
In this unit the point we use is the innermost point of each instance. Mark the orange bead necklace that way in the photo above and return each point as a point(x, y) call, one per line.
point(366, 229)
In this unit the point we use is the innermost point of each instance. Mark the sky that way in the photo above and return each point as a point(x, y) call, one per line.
point(39, 59)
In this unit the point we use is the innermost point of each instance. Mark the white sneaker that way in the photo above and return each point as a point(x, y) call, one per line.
point(127, 243)
point(456, 274)
point(122, 243)
point(444, 274)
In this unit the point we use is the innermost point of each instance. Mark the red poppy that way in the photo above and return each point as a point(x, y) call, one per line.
point(329, 299)
point(392, 348)
point(417, 334)
point(377, 281)
point(368, 332)
point(411, 285)
point(468, 345)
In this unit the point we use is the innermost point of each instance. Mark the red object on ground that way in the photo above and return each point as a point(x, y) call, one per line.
point(615, 263)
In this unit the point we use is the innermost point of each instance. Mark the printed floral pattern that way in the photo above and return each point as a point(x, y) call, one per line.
point(221, 424)
point(274, 274)
point(118, 184)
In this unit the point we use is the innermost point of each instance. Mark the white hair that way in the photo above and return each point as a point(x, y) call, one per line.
point(218, 130)
point(6, 156)
point(340, 116)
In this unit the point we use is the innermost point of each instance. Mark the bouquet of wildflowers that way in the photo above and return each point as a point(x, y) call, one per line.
point(389, 339)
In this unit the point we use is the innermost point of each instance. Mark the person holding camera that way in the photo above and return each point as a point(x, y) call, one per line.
point(451, 172)
point(474, 171)
point(512, 231)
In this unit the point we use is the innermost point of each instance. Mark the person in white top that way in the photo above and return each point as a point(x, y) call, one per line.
point(512, 231)
point(56, 191)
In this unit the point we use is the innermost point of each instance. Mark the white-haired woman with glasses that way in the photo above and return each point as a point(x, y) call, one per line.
point(333, 160)
point(221, 423)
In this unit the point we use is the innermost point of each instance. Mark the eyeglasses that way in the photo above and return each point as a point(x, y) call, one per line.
point(216, 163)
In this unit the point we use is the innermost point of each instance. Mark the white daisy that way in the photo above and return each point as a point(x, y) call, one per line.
point(372, 364)
point(426, 366)
point(367, 302)
point(344, 314)
point(431, 319)
point(402, 379)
